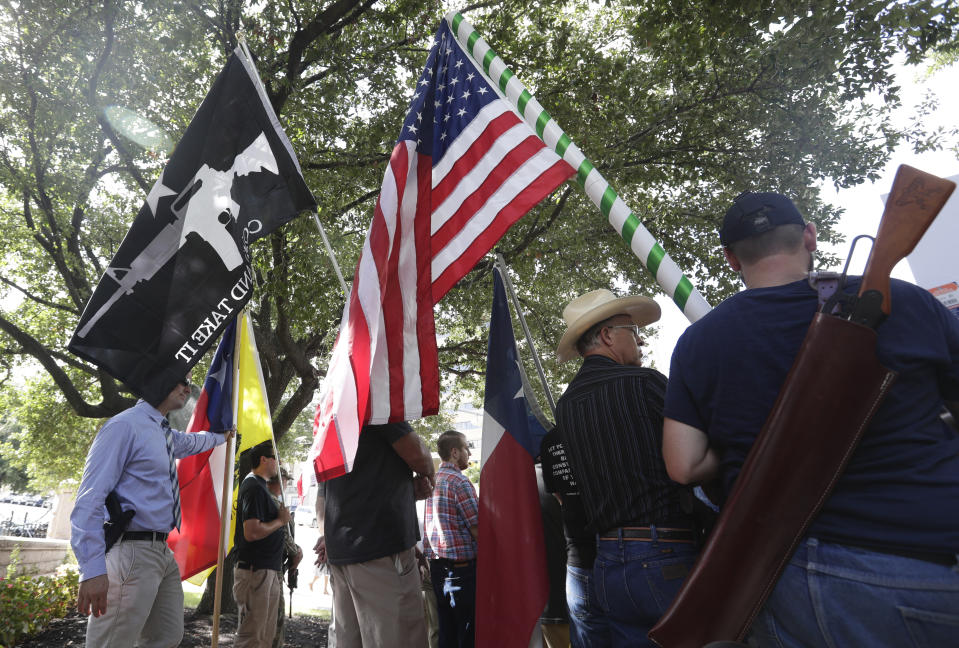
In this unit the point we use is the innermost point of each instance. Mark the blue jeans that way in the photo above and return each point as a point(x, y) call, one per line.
point(588, 627)
point(636, 580)
point(455, 590)
point(836, 595)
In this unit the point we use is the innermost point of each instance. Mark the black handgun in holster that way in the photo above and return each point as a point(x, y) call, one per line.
point(292, 574)
point(117, 522)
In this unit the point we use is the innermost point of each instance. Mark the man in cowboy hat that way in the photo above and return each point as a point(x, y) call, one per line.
point(611, 418)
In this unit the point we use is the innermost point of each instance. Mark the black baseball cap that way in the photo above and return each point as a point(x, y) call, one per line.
point(755, 213)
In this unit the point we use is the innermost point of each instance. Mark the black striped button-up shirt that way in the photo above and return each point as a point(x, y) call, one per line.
point(612, 421)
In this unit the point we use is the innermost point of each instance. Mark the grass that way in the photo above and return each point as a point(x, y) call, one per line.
point(192, 599)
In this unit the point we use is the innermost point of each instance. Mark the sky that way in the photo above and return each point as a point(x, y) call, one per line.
point(863, 204)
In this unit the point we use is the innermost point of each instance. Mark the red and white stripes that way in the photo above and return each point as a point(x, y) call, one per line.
point(433, 221)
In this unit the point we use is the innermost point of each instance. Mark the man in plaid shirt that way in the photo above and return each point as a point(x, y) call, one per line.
point(452, 519)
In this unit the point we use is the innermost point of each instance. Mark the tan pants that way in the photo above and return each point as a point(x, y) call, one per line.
point(555, 635)
point(378, 604)
point(432, 616)
point(257, 593)
point(144, 599)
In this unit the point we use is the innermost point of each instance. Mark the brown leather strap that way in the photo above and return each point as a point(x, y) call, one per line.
point(826, 402)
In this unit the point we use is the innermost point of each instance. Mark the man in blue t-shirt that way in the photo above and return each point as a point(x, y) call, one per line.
point(878, 564)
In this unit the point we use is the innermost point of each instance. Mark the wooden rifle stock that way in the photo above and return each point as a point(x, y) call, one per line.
point(825, 404)
point(914, 202)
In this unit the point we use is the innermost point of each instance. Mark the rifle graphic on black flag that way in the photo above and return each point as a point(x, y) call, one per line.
point(183, 271)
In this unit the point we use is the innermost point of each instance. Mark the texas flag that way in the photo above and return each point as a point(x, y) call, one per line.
point(511, 580)
point(201, 476)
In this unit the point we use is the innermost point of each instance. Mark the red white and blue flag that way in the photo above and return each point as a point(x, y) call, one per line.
point(465, 168)
point(512, 586)
point(195, 545)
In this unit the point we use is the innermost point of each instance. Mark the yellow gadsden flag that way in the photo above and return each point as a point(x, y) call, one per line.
point(254, 424)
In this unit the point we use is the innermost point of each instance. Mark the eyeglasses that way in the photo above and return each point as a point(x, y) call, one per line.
point(632, 327)
point(185, 383)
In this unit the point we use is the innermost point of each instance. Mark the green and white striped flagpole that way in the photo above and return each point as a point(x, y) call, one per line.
point(641, 242)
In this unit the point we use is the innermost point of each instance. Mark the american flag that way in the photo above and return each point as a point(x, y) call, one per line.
point(465, 168)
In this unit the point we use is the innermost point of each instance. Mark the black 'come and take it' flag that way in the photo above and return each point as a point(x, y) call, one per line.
point(183, 270)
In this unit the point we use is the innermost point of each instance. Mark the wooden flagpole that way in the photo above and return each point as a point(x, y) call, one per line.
point(226, 506)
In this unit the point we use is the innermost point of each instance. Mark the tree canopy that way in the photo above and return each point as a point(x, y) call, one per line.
point(681, 105)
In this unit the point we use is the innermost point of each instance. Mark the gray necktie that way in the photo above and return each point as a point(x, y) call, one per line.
point(174, 481)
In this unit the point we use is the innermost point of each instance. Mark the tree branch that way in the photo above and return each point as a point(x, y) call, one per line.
point(359, 201)
point(75, 399)
point(303, 38)
point(355, 162)
point(26, 293)
point(105, 125)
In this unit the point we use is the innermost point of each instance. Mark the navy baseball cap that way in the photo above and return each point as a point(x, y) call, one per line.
point(755, 213)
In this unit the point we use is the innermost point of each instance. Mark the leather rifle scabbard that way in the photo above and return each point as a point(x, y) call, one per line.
point(831, 393)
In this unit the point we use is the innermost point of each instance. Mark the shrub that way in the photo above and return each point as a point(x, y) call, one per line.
point(29, 603)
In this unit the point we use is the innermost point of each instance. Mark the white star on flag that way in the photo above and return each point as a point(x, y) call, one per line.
point(158, 191)
point(449, 193)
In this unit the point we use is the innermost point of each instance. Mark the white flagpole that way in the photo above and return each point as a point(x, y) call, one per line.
point(316, 219)
point(501, 263)
point(329, 252)
point(652, 255)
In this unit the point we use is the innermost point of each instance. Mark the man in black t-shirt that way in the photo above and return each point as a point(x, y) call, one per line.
point(370, 530)
point(258, 580)
point(588, 626)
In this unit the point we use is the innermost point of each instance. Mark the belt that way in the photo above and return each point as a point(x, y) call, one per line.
point(241, 564)
point(645, 534)
point(454, 563)
point(144, 535)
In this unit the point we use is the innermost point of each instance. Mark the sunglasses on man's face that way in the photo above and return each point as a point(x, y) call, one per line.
point(185, 383)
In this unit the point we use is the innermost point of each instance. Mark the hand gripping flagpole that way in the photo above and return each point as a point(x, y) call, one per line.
point(667, 274)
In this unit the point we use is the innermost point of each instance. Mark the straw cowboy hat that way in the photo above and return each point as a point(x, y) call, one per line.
point(596, 306)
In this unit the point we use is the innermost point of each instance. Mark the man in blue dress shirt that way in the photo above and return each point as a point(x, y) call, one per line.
point(133, 591)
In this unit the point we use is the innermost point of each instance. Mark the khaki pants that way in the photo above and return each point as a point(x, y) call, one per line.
point(378, 604)
point(432, 617)
point(144, 600)
point(555, 635)
point(257, 593)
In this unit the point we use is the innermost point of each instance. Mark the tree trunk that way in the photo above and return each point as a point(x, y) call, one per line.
point(227, 602)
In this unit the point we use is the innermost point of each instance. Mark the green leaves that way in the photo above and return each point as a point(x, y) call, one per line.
point(28, 603)
point(680, 105)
